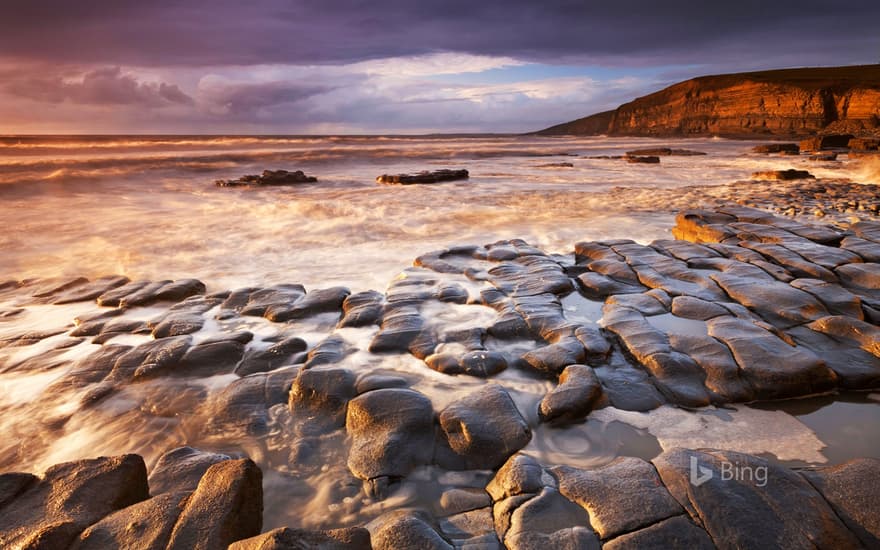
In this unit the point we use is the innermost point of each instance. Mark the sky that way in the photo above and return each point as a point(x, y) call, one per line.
point(387, 66)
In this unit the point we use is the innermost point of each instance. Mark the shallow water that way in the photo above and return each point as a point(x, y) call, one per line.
point(147, 208)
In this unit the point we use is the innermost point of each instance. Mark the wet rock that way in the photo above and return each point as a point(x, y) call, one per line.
point(770, 503)
point(89, 290)
point(723, 377)
point(178, 324)
point(180, 469)
point(482, 363)
point(89, 370)
point(324, 300)
point(269, 177)
point(573, 398)
point(835, 298)
point(484, 428)
point(596, 346)
point(171, 291)
point(423, 177)
point(51, 512)
point(473, 528)
point(392, 432)
point(275, 356)
point(643, 303)
point(642, 159)
point(243, 405)
point(851, 489)
point(209, 359)
point(521, 474)
point(772, 367)
point(399, 328)
point(226, 506)
point(288, 538)
point(456, 501)
point(621, 496)
point(777, 148)
point(676, 532)
point(664, 152)
point(406, 529)
point(597, 287)
point(112, 298)
point(146, 525)
point(552, 359)
point(332, 349)
point(868, 251)
point(266, 301)
point(852, 331)
point(372, 382)
point(13, 484)
point(362, 309)
point(794, 263)
point(783, 175)
point(235, 302)
point(778, 303)
point(320, 397)
point(150, 359)
point(689, 307)
point(549, 520)
point(862, 279)
point(701, 226)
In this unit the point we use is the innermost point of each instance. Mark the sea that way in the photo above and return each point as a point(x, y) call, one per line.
point(147, 207)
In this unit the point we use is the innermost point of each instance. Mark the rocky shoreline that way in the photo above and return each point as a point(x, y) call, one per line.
point(742, 306)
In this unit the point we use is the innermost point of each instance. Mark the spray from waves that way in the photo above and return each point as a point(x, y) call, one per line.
point(867, 170)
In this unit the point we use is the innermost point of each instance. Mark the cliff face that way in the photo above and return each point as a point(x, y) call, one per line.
point(789, 102)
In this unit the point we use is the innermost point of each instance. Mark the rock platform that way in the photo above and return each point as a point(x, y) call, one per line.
point(741, 306)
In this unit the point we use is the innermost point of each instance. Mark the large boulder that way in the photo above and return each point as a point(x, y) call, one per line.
point(288, 538)
point(51, 512)
point(226, 506)
point(392, 432)
point(484, 428)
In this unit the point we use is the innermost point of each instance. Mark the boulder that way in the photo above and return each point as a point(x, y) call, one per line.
point(181, 469)
point(573, 398)
point(53, 511)
point(319, 398)
point(226, 506)
point(147, 525)
point(406, 529)
point(484, 428)
point(362, 309)
point(392, 432)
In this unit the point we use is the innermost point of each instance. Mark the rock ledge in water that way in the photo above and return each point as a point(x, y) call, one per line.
point(269, 177)
point(423, 177)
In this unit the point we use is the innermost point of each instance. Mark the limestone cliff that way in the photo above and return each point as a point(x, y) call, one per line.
point(787, 102)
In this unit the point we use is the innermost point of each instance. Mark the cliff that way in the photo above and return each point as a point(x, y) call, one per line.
point(786, 102)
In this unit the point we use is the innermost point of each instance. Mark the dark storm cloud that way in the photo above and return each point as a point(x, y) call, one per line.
point(104, 86)
point(224, 32)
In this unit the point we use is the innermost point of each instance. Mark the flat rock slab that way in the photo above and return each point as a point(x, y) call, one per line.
point(422, 177)
point(269, 177)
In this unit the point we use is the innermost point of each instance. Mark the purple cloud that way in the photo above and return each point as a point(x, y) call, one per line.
point(103, 86)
